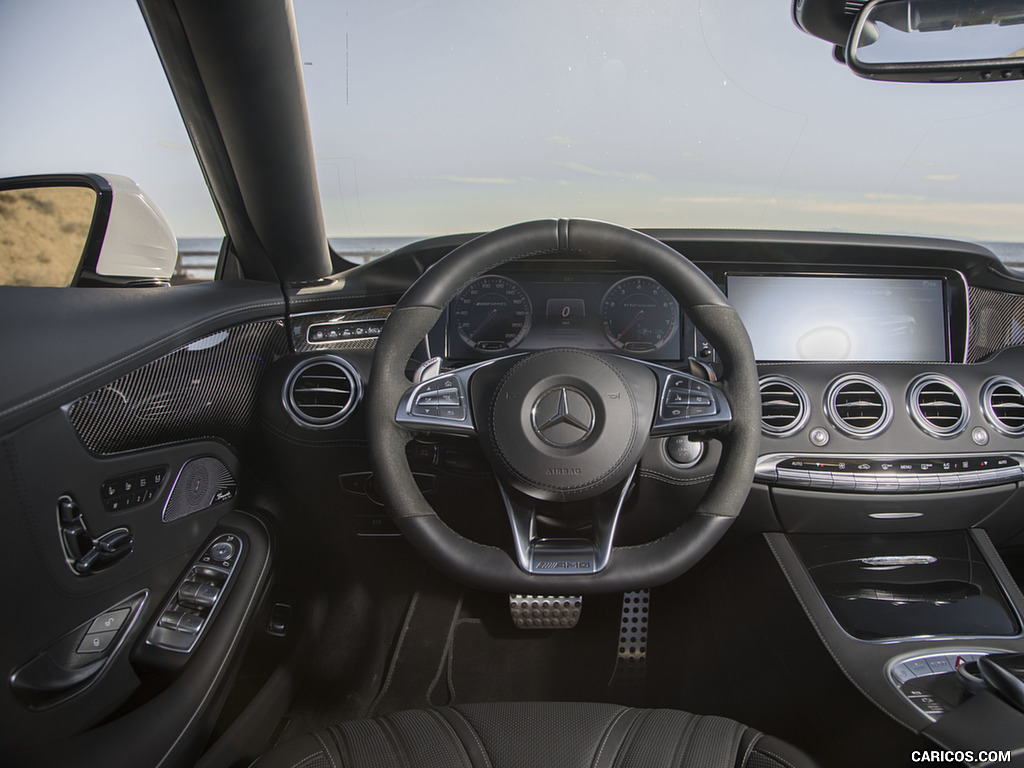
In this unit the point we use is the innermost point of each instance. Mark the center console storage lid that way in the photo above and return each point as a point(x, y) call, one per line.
point(868, 661)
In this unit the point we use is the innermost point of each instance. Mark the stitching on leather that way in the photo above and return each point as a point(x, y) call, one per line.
point(338, 737)
point(607, 735)
point(397, 746)
point(326, 751)
point(750, 748)
point(778, 758)
point(473, 733)
point(309, 758)
point(467, 760)
point(662, 477)
point(184, 332)
point(685, 738)
point(821, 634)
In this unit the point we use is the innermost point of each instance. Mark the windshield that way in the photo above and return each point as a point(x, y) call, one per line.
point(459, 116)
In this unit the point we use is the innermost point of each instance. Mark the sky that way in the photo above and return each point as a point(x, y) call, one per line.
point(436, 116)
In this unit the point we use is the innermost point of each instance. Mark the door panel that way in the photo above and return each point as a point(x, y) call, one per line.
point(152, 441)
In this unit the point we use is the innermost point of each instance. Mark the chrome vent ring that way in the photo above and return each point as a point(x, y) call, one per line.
point(321, 392)
point(784, 406)
point(1002, 402)
point(858, 406)
point(937, 405)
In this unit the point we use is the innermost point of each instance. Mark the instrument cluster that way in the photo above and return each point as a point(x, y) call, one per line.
point(630, 314)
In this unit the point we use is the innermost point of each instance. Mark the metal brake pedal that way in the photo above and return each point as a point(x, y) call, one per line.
point(545, 611)
point(631, 663)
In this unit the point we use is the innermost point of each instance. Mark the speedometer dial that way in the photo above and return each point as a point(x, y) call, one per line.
point(638, 314)
point(492, 313)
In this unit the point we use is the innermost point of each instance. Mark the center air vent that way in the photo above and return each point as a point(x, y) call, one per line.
point(937, 405)
point(321, 392)
point(858, 405)
point(1002, 400)
point(784, 406)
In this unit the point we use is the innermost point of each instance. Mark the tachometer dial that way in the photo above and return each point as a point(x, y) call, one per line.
point(638, 314)
point(492, 313)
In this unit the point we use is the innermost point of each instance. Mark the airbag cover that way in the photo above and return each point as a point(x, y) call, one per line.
point(567, 424)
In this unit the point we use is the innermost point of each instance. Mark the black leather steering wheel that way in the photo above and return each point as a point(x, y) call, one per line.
point(566, 424)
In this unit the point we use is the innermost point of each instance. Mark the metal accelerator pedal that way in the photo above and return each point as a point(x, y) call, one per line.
point(545, 611)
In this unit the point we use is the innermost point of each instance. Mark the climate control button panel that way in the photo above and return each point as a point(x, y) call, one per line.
point(891, 474)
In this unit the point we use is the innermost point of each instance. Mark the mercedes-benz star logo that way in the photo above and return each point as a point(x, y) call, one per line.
point(562, 417)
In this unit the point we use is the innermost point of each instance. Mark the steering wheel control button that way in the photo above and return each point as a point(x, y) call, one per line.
point(562, 417)
point(96, 642)
point(819, 436)
point(686, 398)
point(439, 400)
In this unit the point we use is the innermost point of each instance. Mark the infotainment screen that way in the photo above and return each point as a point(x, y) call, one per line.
point(793, 317)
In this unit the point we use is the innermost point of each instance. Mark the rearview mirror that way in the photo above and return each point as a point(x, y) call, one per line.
point(938, 41)
point(82, 229)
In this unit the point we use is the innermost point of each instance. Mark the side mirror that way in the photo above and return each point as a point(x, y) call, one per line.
point(940, 41)
point(82, 229)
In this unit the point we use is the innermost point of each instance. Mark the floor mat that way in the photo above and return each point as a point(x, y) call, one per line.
point(491, 660)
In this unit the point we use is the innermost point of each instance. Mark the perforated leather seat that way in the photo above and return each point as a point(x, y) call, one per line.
point(545, 735)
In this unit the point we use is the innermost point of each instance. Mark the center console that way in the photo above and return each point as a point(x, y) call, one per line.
point(907, 617)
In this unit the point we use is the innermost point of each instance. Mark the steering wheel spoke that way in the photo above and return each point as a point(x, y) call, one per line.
point(546, 555)
point(687, 404)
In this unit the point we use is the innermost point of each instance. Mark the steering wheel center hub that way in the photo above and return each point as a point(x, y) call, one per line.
point(563, 417)
point(567, 424)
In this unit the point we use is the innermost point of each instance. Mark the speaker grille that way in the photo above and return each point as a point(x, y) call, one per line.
point(937, 405)
point(201, 483)
point(1002, 400)
point(322, 392)
point(858, 406)
point(784, 406)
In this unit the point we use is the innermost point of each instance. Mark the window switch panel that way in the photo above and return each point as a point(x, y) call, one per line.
point(193, 605)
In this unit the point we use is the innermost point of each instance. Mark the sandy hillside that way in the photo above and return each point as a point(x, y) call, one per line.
point(42, 234)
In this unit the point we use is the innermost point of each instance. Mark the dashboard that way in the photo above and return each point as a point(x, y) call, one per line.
point(889, 367)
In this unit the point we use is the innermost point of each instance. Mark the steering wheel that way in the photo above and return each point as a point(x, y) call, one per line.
point(561, 425)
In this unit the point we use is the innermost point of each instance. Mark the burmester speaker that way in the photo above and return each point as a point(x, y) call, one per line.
point(201, 483)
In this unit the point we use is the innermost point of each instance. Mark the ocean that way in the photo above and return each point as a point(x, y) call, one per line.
point(197, 256)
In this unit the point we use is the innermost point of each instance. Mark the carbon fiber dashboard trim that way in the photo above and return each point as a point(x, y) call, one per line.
point(996, 321)
point(206, 388)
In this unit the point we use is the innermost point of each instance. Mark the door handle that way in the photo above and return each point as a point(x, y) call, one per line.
point(85, 553)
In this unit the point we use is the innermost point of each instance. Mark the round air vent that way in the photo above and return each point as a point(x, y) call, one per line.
point(937, 405)
point(321, 392)
point(1002, 401)
point(858, 406)
point(784, 406)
